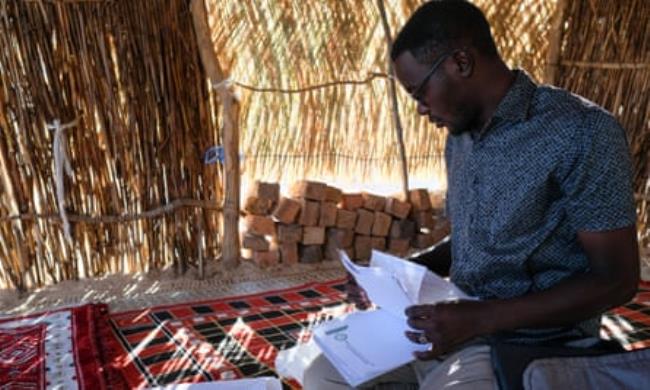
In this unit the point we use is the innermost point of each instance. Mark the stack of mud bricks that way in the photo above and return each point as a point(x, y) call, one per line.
point(258, 238)
point(426, 213)
point(315, 220)
point(392, 224)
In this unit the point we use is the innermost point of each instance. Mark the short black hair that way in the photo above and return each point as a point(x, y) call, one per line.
point(441, 25)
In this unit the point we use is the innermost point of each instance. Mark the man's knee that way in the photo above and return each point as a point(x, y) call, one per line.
point(321, 375)
point(469, 368)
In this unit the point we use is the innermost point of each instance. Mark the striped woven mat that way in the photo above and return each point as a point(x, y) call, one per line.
point(240, 336)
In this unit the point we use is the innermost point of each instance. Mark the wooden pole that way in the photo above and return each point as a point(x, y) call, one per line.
point(393, 94)
point(230, 112)
point(555, 44)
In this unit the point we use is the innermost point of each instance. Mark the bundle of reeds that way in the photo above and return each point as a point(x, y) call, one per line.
point(605, 57)
point(139, 196)
point(280, 52)
point(314, 100)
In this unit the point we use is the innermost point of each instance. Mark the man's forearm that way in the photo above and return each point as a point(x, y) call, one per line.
point(570, 302)
point(612, 280)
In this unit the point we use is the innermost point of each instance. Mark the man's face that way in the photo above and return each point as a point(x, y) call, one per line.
point(439, 94)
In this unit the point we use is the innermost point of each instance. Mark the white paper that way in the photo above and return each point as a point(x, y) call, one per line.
point(394, 284)
point(292, 362)
point(408, 273)
point(436, 289)
point(364, 345)
point(384, 289)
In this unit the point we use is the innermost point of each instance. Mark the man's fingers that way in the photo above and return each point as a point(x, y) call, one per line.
point(357, 293)
point(420, 311)
point(354, 289)
point(419, 323)
point(427, 355)
point(359, 297)
point(417, 337)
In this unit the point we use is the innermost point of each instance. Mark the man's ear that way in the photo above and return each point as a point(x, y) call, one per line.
point(464, 62)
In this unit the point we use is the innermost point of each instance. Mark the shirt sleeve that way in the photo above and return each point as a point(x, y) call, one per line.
point(598, 186)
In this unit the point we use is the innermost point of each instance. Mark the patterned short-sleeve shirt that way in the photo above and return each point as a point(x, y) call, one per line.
point(549, 164)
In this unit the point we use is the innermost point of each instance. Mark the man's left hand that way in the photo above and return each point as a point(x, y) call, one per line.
point(445, 325)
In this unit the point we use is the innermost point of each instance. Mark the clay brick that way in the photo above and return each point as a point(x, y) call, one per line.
point(305, 189)
point(254, 242)
point(341, 238)
point(381, 224)
point(373, 202)
point(264, 190)
point(352, 201)
point(365, 219)
point(309, 213)
point(287, 210)
point(362, 247)
point(399, 246)
point(266, 258)
point(260, 226)
point(289, 233)
point(441, 230)
point(443, 226)
point(328, 212)
point(311, 253)
point(398, 208)
point(289, 252)
point(424, 240)
point(424, 219)
point(346, 219)
point(313, 235)
point(333, 194)
point(257, 206)
point(403, 228)
point(437, 200)
point(378, 243)
point(419, 198)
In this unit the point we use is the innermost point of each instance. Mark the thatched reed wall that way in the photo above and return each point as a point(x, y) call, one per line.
point(139, 196)
point(597, 48)
point(129, 72)
point(605, 57)
point(344, 129)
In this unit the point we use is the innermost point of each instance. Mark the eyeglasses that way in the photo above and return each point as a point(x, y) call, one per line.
point(417, 92)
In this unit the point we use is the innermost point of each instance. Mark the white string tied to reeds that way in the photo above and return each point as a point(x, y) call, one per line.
point(61, 163)
point(225, 83)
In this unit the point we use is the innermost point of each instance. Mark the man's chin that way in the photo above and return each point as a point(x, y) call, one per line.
point(453, 130)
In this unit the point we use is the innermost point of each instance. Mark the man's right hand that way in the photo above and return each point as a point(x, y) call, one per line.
point(356, 294)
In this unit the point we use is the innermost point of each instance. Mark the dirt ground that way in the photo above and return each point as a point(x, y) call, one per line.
point(126, 292)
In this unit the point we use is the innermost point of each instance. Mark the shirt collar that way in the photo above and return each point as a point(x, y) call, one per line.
point(514, 105)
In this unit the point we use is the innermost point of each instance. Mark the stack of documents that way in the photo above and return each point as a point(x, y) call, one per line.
point(364, 345)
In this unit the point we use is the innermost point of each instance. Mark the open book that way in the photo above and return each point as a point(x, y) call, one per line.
point(366, 344)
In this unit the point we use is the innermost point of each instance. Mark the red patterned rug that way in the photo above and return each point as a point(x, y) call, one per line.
point(59, 349)
point(240, 336)
point(229, 338)
point(630, 324)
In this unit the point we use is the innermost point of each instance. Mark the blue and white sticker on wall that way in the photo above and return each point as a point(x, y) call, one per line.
point(216, 154)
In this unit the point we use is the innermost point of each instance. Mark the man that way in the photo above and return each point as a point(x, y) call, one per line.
point(539, 198)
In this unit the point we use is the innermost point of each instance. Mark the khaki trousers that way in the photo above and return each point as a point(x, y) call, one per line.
point(468, 368)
